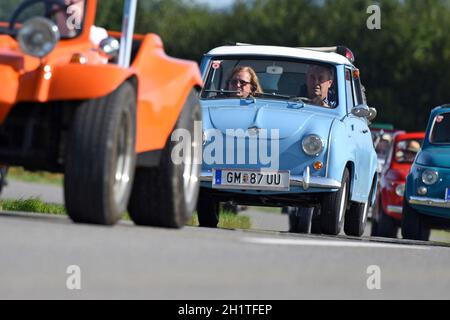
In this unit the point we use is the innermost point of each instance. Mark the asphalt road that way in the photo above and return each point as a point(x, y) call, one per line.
point(130, 262)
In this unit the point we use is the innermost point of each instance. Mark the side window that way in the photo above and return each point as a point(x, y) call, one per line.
point(349, 90)
point(357, 91)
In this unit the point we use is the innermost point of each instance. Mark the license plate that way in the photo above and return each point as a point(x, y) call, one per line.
point(447, 194)
point(251, 179)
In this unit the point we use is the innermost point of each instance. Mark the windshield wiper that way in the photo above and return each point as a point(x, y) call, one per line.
point(299, 99)
point(272, 95)
point(220, 92)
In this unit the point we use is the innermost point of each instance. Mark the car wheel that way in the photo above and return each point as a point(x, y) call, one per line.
point(166, 196)
point(374, 219)
point(300, 220)
point(315, 222)
point(333, 207)
point(356, 219)
point(387, 226)
point(230, 207)
point(3, 181)
point(207, 211)
point(413, 224)
point(100, 158)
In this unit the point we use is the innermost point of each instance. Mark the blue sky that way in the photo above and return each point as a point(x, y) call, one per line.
point(216, 4)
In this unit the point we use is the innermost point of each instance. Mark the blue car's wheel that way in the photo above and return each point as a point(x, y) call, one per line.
point(300, 220)
point(208, 210)
point(413, 224)
point(333, 207)
point(356, 219)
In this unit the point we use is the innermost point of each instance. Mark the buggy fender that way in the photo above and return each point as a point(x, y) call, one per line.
point(164, 85)
point(83, 82)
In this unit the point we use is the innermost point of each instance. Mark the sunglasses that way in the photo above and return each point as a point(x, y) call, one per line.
point(234, 82)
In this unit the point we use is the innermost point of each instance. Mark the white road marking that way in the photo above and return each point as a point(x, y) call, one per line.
point(330, 243)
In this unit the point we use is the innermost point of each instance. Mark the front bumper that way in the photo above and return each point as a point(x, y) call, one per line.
point(305, 180)
point(395, 209)
point(430, 202)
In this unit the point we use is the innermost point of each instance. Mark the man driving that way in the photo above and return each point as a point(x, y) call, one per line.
point(319, 80)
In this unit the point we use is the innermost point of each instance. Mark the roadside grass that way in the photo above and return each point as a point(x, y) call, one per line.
point(19, 173)
point(36, 205)
point(227, 220)
point(32, 205)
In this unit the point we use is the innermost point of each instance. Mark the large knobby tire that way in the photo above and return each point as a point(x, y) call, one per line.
point(300, 220)
point(333, 207)
point(166, 195)
point(208, 211)
point(413, 224)
point(100, 158)
point(356, 219)
point(387, 226)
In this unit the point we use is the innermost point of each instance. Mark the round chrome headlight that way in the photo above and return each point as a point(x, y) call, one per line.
point(430, 177)
point(400, 190)
point(38, 37)
point(312, 145)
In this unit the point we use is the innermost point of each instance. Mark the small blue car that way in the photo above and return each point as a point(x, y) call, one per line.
point(427, 195)
point(287, 127)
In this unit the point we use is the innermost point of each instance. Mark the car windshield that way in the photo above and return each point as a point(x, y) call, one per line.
point(68, 15)
point(440, 132)
point(286, 79)
point(406, 150)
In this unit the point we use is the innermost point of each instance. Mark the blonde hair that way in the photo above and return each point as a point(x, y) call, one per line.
point(254, 82)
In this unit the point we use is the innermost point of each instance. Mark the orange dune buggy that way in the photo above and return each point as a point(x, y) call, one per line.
point(101, 111)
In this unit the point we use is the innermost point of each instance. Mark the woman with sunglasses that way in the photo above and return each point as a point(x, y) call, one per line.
point(244, 82)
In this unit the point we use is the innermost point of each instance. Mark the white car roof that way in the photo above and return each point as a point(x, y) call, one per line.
point(289, 52)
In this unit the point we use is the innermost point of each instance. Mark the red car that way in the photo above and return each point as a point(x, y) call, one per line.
point(387, 214)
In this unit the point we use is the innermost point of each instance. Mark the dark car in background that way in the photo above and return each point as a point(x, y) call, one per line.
point(427, 195)
point(386, 217)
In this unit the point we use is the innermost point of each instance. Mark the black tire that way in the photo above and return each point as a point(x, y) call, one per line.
point(333, 207)
point(230, 207)
point(100, 158)
point(356, 219)
point(207, 211)
point(161, 197)
point(315, 222)
point(413, 224)
point(3, 174)
point(387, 226)
point(375, 217)
point(374, 228)
point(300, 220)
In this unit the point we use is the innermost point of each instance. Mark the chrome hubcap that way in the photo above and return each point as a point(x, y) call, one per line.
point(191, 172)
point(342, 205)
point(123, 159)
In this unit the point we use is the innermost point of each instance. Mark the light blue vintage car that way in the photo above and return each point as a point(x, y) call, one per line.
point(286, 143)
point(427, 195)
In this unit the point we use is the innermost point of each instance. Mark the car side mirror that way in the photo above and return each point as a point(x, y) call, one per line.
point(372, 114)
point(110, 47)
point(363, 111)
